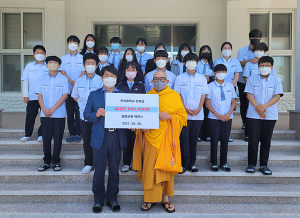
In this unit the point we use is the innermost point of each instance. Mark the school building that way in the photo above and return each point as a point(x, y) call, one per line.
point(197, 22)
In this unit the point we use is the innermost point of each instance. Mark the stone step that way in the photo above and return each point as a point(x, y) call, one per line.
point(73, 174)
point(61, 192)
point(235, 134)
point(132, 210)
point(12, 144)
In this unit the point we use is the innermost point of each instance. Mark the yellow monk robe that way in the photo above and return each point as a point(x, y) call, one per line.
point(148, 145)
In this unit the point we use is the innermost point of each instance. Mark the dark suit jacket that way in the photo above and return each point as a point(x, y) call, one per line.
point(95, 101)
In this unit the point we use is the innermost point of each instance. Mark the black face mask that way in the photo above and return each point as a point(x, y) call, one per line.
point(254, 41)
point(206, 55)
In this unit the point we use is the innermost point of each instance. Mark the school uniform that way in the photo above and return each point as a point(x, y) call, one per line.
point(82, 88)
point(204, 68)
point(73, 66)
point(121, 73)
point(87, 51)
point(233, 66)
point(177, 67)
point(252, 69)
point(151, 65)
point(244, 54)
point(107, 146)
point(115, 59)
point(137, 87)
point(261, 130)
point(191, 88)
point(142, 59)
point(220, 99)
point(100, 65)
point(149, 77)
point(52, 89)
point(31, 74)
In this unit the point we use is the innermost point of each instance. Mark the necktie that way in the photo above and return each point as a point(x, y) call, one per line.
point(113, 60)
point(204, 69)
point(141, 59)
point(222, 94)
point(130, 86)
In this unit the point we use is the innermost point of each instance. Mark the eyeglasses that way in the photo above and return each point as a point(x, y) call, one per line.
point(162, 79)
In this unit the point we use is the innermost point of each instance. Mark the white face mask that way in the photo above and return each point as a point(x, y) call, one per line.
point(72, 47)
point(161, 63)
point(53, 66)
point(90, 68)
point(103, 58)
point(259, 54)
point(109, 82)
point(264, 71)
point(191, 65)
point(226, 53)
point(221, 76)
point(129, 58)
point(183, 53)
point(39, 57)
point(90, 44)
point(140, 48)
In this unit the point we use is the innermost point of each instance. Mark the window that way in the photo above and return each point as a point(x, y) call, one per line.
point(20, 33)
point(171, 35)
point(279, 42)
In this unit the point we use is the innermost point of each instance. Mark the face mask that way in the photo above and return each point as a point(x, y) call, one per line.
point(159, 85)
point(259, 54)
point(129, 58)
point(226, 53)
point(103, 58)
point(161, 63)
point(130, 75)
point(39, 57)
point(264, 70)
point(90, 44)
point(140, 48)
point(206, 55)
point(90, 68)
point(72, 46)
point(109, 82)
point(183, 53)
point(53, 66)
point(254, 41)
point(191, 65)
point(221, 76)
point(115, 46)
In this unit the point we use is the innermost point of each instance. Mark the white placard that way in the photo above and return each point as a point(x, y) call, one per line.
point(123, 110)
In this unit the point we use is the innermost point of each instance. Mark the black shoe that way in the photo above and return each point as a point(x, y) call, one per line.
point(244, 126)
point(265, 170)
point(214, 168)
point(114, 206)
point(230, 139)
point(250, 169)
point(97, 208)
point(207, 139)
point(225, 168)
point(194, 169)
point(43, 167)
point(246, 138)
point(183, 170)
point(199, 140)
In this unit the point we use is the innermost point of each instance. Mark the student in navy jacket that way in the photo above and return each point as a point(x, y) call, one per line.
point(131, 82)
point(106, 143)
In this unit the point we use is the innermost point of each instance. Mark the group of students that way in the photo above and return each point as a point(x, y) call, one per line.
point(60, 87)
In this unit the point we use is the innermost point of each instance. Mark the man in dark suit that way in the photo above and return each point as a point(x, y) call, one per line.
point(106, 143)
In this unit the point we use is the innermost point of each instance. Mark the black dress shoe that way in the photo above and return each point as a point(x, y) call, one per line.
point(97, 208)
point(244, 126)
point(114, 206)
point(246, 138)
point(194, 169)
point(230, 139)
point(183, 170)
point(207, 139)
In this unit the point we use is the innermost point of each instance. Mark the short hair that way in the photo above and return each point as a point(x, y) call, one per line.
point(90, 56)
point(102, 49)
point(160, 53)
point(220, 67)
point(226, 43)
point(266, 59)
point(143, 40)
point(73, 38)
point(53, 58)
point(255, 33)
point(191, 57)
point(39, 47)
point(110, 68)
point(260, 46)
point(115, 40)
point(158, 45)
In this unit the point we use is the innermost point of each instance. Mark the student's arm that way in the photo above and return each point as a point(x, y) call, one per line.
point(25, 79)
point(233, 104)
point(205, 92)
point(212, 110)
point(69, 80)
point(75, 94)
point(262, 108)
point(236, 77)
point(197, 111)
point(247, 72)
point(42, 105)
point(238, 70)
point(246, 79)
point(255, 105)
point(60, 101)
point(189, 111)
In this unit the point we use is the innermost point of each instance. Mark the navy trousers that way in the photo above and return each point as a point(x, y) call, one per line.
point(128, 151)
point(86, 130)
point(73, 116)
point(32, 110)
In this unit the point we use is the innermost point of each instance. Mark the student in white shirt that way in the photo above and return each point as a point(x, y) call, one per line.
point(90, 45)
point(115, 54)
point(103, 58)
point(220, 102)
point(177, 66)
point(151, 64)
point(192, 88)
point(142, 56)
point(30, 76)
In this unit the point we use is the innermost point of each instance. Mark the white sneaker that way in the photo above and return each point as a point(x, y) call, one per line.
point(25, 139)
point(125, 169)
point(87, 169)
point(40, 139)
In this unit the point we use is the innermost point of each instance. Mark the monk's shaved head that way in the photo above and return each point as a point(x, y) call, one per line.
point(160, 74)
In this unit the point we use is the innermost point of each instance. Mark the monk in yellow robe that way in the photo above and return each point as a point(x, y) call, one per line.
point(156, 154)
